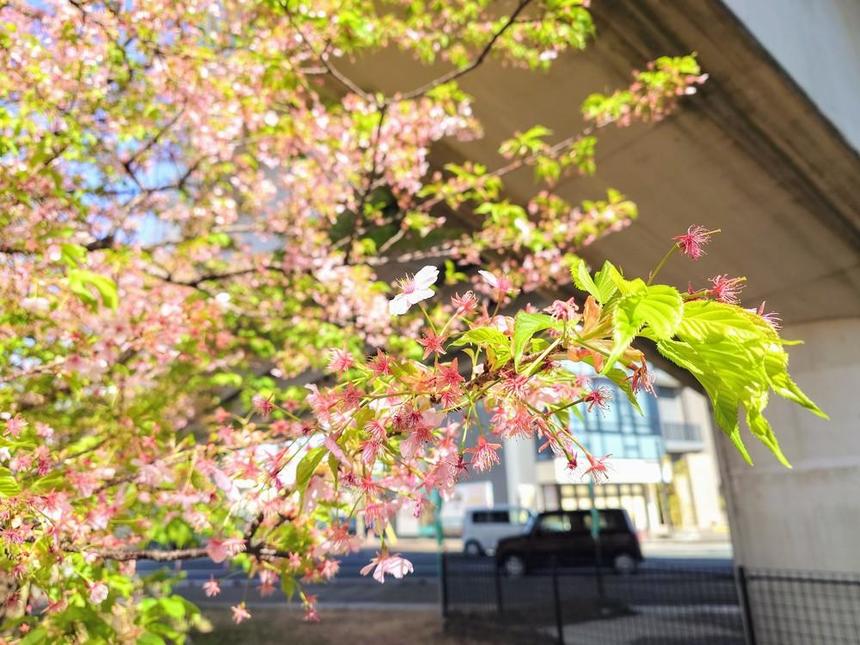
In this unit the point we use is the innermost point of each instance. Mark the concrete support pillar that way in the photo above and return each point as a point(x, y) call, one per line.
point(807, 517)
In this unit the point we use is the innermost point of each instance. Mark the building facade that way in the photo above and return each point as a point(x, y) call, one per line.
point(663, 468)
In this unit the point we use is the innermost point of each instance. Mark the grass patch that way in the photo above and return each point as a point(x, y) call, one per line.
point(354, 626)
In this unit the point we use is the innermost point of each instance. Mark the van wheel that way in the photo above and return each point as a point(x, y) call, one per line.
point(514, 566)
point(473, 549)
point(625, 564)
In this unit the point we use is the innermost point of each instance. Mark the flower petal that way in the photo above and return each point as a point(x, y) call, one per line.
point(426, 276)
point(490, 279)
point(398, 305)
point(417, 296)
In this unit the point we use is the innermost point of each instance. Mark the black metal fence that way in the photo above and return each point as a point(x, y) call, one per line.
point(661, 604)
point(797, 607)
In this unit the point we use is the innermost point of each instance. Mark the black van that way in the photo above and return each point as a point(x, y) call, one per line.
point(565, 538)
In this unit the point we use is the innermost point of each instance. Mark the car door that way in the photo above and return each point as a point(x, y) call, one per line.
point(500, 527)
point(616, 537)
point(582, 546)
point(550, 539)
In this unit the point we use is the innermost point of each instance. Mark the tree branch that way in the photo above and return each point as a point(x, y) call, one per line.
point(457, 73)
point(336, 74)
point(172, 555)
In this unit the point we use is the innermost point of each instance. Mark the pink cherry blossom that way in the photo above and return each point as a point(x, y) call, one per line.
point(597, 468)
point(15, 425)
point(692, 242)
point(726, 289)
point(339, 361)
point(211, 587)
point(219, 550)
point(598, 398)
point(465, 304)
point(500, 284)
point(563, 309)
point(414, 290)
point(263, 405)
point(771, 318)
point(98, 592)
point(432, 343)
point(240, 613)
point(484, 454)
point(393, 565)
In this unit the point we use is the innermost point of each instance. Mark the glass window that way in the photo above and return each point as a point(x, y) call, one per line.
point(519, 516)
point(554, 523)
point(609, 521)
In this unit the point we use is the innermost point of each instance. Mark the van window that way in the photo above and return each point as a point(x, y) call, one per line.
point(519, 516)
point(491, 517)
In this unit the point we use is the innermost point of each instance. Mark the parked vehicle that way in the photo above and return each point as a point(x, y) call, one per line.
point(483, 527)
point(565, 538)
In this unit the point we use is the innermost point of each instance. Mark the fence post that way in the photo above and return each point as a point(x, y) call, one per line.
point(559, 623)
point(746, 608)
point(500, 608)
point(443, 583)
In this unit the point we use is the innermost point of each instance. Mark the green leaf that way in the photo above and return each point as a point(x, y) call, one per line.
point(307, 466)
point(496, 344)
point(583, 280)
point(703, 361)
point(38, 635)
point(179, 532)
point(83, 282)
point(620, 378)
point(527, 325)
point(226, 379)
point(608, 280)
point(739, 359)
point(605, 283)
point(8, 484)
point(173, 606)
point(72, 255)
point(288, 586)
point(658, 308)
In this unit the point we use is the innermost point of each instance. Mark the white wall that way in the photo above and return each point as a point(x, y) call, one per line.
point(808, 517)
point(818, 43)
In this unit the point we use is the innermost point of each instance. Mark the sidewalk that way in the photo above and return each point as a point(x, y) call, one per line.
point(417, 544)
point(679, 545)
point(687, 547)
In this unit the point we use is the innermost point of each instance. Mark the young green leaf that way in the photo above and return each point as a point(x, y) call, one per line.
point(493, 341)
point(526, 325)
point(307, 466)
point(657, 308)
point(83, 282)
point(738, 358)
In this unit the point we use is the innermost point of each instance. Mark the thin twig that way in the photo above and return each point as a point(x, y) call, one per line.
point(457, 73)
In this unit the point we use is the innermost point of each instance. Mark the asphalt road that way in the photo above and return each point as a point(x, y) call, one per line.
point(425, 564)
point(472, 580)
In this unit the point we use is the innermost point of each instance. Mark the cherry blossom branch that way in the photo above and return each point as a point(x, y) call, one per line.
point(336, 74)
